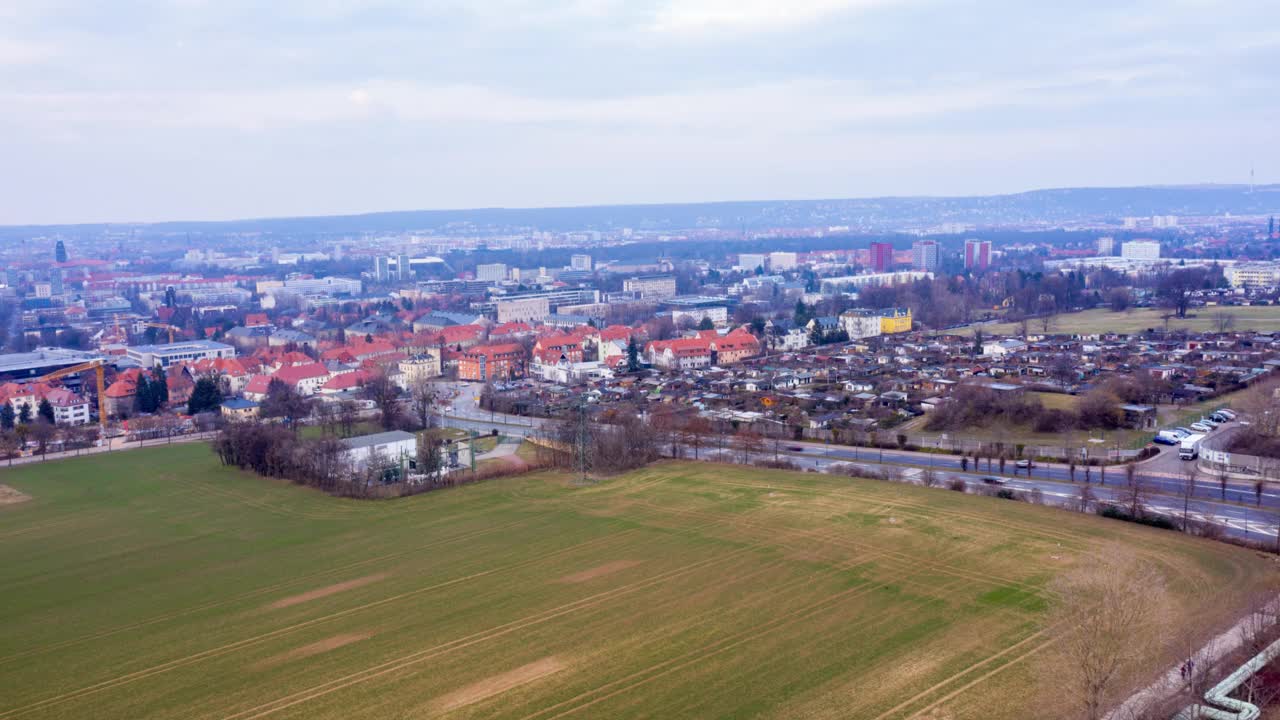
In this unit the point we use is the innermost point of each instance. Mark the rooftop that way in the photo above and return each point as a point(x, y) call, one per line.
point(381, 438)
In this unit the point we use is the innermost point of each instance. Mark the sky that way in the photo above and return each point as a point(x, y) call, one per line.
point(147, 110)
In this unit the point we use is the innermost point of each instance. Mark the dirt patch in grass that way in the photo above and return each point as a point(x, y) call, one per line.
point(598, 571)
point(315, 648)
point(327, 591)
point(9, 496)
point(498, 684)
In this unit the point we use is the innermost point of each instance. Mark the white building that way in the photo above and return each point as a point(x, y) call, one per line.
point(924, 255)
point(492, 272)
point(149, 356)
point(750, 261)
point(1106, 246)
point(1140, 250)
point(1164, 221)
point(718, 314)
point(1000, 348)
point(651, 287)
point(396, 448)
point(421, 367)
point(860, 325)
point(836, 285)
point(525, 310)
point(580, 262)
point(1254, 275)
point(779, 261)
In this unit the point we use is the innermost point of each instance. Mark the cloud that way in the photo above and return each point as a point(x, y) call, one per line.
point(686, 17)
point(17, 53)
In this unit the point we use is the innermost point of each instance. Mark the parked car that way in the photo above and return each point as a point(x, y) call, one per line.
point(1228, 413)
point(1209, 421)
point(1185, 431)
point(1201, 427)
point(992, 481)
point(1168, 437)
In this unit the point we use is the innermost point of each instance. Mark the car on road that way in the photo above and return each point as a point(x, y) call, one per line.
point(1200, 427)
point(795, 448)
point(1025, 464)
point(992, 481)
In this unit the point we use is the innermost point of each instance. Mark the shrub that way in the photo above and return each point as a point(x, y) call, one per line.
point(958, 485)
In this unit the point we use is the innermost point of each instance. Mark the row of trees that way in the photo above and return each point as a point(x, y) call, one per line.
point(977, 406)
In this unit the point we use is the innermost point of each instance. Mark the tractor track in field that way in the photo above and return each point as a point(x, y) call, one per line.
point(249, 595)
point(716, 647)
point(1034, 650)
point(854, 545)
point(425, 654)
point(145, 673)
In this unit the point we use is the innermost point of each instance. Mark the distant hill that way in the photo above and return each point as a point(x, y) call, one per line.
point(885, 213)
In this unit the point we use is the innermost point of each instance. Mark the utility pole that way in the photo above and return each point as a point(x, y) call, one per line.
point(582, 441)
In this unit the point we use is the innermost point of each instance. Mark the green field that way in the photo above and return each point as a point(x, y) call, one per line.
point(1264, 318)
point(157, 584)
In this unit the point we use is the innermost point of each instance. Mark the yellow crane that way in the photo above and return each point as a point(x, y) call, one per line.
point(96, 366)
point(163, 326)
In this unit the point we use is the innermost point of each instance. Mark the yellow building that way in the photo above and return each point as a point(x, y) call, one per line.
point(897, 320)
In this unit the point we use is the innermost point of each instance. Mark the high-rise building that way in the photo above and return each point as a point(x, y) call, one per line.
point(977, 254)
point(779, 261)
point(1140, 250)
point(881, 256)
point(381, 268)
point(55, 281)
point(580, 262)
point(491, 272)
point(1164, 221)
point(60, 252)
point(1106, 246)
point(751, 261)
point(924, 255)
point(403, 267)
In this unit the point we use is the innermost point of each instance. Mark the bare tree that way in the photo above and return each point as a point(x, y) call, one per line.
point(385, 394)
point(1135, 490)
point(1109, 622)
point(1223, 476)
point(1085, 499)
point(928, 477)
point(1223, 320)
point(1188, 491)
point(422, 399)
point(348, 416)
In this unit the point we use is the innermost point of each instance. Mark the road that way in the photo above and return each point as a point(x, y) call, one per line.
point(1161, 476)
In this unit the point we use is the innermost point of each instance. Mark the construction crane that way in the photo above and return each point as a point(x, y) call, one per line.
point(163, 326)
point(96, 366)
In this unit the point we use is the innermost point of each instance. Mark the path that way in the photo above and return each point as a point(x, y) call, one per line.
point(1208, 656)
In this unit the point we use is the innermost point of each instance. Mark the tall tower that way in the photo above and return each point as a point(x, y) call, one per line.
point(881, 256)
point(60, 252)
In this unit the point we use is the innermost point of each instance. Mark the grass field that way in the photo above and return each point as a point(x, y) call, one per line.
point(1139, 319)
point(157, 584)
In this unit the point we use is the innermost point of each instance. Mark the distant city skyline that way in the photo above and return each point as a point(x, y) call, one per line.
point(193, 110)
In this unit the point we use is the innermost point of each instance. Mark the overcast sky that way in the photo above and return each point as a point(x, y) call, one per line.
point(213, 109)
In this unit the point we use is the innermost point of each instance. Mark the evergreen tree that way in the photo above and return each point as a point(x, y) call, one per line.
point(815, 335)
point(633, 354)
point(24, 414)
point(143, 397)
point(6, 416)
point(46, 410)
point(205, 397)
point(706, 324)
point(160, 387)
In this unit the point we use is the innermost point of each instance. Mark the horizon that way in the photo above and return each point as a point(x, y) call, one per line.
point(1262, 187)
